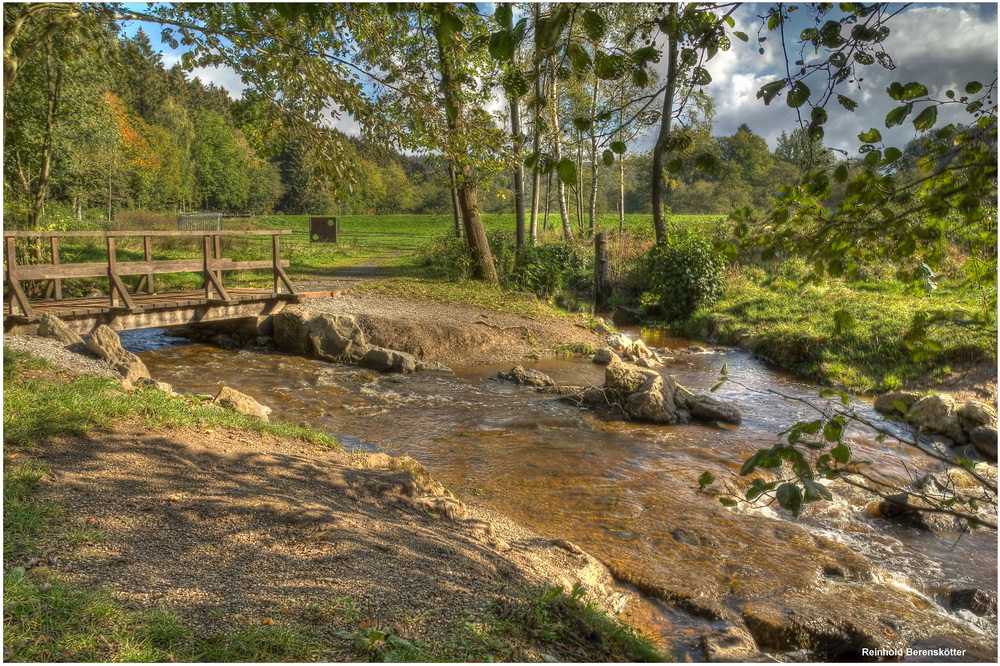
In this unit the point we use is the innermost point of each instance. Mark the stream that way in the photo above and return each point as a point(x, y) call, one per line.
point(627, 492)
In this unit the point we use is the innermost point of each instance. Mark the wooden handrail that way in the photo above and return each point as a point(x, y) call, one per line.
point(123, 234)
point(211, 265)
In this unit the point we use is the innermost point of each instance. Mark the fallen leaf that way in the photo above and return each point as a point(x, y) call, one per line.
point(267, 620)
point(90, 520)
point(367, 624)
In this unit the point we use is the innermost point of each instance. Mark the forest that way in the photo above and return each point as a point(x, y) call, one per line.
point(117, 131)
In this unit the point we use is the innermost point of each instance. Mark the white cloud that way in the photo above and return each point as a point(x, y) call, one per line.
point(942, 46)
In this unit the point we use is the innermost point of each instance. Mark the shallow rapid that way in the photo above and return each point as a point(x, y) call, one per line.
point(628, 492)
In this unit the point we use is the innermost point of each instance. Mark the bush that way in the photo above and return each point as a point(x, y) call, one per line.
point(447, 255)
point(546, 269)
point(685, 273)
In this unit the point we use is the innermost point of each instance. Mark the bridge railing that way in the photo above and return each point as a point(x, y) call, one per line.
point(211, 265)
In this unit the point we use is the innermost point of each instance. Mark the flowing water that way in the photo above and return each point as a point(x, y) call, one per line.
point(626, 492)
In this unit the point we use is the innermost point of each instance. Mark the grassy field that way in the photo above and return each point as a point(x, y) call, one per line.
point(49, 618)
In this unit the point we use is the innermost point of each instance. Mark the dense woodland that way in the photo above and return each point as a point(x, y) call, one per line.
point(124, 132)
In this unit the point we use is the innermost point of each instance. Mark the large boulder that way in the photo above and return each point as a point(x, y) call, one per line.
point(106, 344)
point(936, 413)
point(653, 401)
point(976, 413)
point(622, 379)
point(526, 377)
point(618, 341)
point(330, 337)
point(603, 356)
point(895, 403)
point(710, 408)
point(52, 326)
point(984, 438)
point(242, 403)
point(388, 360)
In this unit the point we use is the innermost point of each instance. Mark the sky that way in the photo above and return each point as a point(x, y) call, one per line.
point(943, 45)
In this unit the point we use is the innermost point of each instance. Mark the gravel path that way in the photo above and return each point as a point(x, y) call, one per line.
point(230, 527)
point(67, 358)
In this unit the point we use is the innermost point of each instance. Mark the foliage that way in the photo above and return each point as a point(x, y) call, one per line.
point(685, 273)
point(546, 269)
point(768, 307)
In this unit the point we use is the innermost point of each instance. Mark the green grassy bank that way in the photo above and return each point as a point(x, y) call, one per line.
point(50, 618)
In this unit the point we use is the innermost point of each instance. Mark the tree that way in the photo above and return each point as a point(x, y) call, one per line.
point(220, 170)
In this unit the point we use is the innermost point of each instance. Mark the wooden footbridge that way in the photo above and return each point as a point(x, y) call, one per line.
point(141, 306)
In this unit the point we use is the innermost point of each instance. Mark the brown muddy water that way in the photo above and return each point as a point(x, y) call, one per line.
point(627, 492)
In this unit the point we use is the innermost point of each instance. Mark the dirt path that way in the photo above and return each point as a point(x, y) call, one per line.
point(348, 277)
point(230, 528)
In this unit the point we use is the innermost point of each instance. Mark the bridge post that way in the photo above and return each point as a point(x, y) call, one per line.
point(16, 293)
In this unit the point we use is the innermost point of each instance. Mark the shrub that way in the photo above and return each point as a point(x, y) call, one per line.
point(546, 269)
point(448, 255)
point(685, 273)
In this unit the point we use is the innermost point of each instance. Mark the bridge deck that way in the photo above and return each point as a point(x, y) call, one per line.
point(83, 307)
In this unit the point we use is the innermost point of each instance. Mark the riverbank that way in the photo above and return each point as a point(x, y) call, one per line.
point(202, 540)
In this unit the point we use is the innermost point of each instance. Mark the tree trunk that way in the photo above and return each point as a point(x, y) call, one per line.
point(557, 150)
point(515, 132)
point(621, 195)
point(53, 88)
point(548, 200)
point(593, 159)
point(456, 205)
point(537, 141)
point(475, 234)
point(579, 180)
point(659, 214)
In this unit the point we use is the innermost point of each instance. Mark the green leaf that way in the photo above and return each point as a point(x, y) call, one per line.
point(898, 115)
point(701, 76)
point(841, 453)
point(618, 147)
point(502, 46)
point(742, 36)
point(840, 173)
point(816, 491)
point(504, 15)
point(972, 87)
point(594, 25)
point(752, 462)
point(706, 479)
point(926, 119)
point(847, 102)
point(798, 95)
point(726, 501)
point(842, 321)
point(608, 157)
point(892, 154)
point(579, 57)
point(531, 160)
point(769, 91)
point(871, 136)
point(566, 168)
point(790, 497)
point(833, 430)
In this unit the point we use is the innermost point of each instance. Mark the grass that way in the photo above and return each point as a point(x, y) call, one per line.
point(793, 325)
point(40, 403)
point(50, 618)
